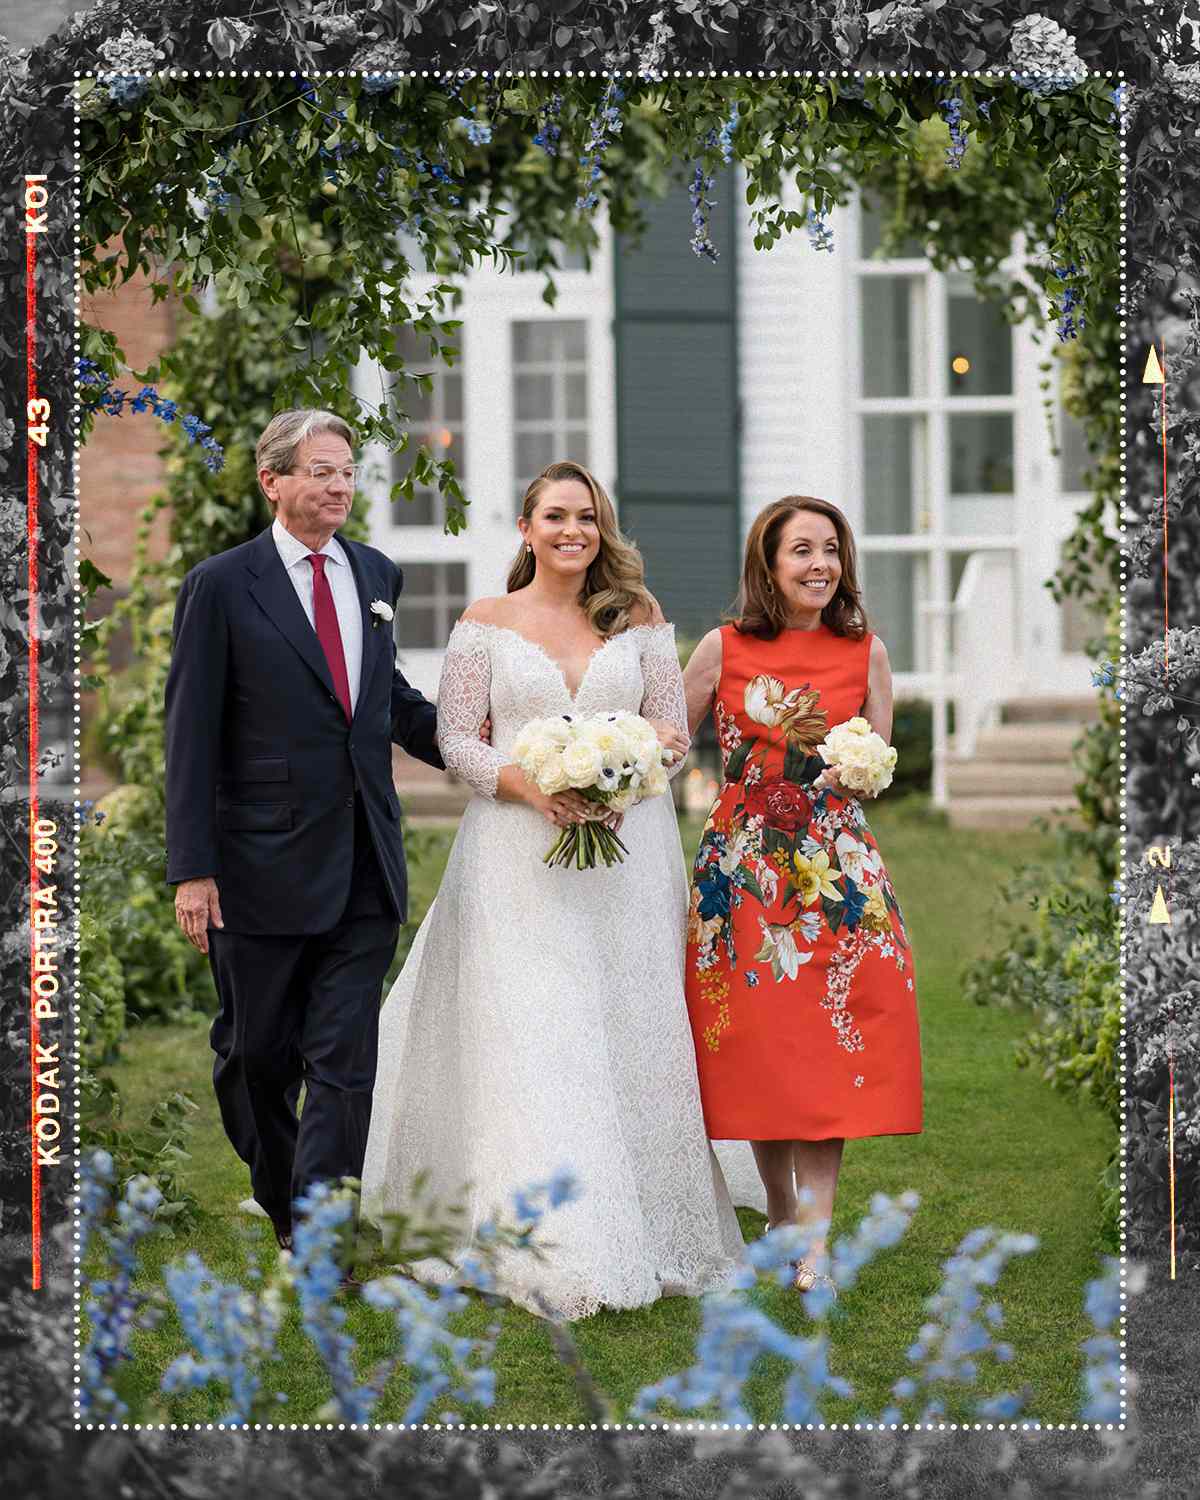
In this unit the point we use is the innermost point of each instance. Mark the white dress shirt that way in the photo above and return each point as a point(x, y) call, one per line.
point(346, 602)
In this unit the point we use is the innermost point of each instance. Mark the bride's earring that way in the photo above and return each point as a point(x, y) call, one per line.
point(528, 548)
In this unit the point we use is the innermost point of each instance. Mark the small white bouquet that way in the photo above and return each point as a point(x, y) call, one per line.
point(863, 760)
point(614, 760)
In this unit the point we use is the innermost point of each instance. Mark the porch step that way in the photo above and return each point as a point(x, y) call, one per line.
point(1062, 709)
point(1030, 742)
point(1022, 769)
point(1010, 814)
point(1011, 778)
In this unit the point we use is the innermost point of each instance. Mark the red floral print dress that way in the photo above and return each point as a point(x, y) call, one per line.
point(800, 980)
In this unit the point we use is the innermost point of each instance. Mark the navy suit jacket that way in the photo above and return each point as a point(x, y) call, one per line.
point(261, 764)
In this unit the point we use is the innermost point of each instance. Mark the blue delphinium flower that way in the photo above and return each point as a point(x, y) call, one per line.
point(101, 395)
point(820, 236)
point(1104, 675)
point(1103, 1401)
point(96, 1173)
point(952, 109)
point(725, 135)
point(233, 1331)
point(478, 132)
point(1069, 298)
point(959, 1332)
point(442, 1362)
point(549, 131)
point(702, 207)
point(321, 1216)
point(605, 124)
point(734, 1333)
point(112, 1306)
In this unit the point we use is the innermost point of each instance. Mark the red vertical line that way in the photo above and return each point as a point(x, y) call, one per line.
point(31, 524)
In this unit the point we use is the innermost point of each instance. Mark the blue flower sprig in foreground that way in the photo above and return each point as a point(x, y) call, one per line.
point(734, 1332)
point(949, 1347)
point(428, 1346)
point(113, 1308)
point(1103, 1400)
point(99, 394)
point(324, 1218)
point(233, 1331)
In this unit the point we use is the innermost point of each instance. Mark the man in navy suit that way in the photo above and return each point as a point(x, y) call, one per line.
point(283, 825)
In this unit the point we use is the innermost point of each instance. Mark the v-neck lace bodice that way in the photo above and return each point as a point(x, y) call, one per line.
point(493, 669)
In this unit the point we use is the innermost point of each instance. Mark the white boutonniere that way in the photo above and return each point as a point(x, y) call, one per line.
point(382, 611)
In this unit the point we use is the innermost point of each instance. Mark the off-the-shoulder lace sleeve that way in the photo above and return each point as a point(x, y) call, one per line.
point(662, 696)
point(462, 705)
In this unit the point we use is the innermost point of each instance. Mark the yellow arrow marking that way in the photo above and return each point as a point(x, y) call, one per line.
point(1158, 908)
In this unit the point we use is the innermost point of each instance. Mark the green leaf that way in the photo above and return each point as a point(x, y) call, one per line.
point(749, 882)
point(91, 578)
point(736, 763)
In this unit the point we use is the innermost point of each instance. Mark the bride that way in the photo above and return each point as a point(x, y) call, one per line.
point(539, 1022)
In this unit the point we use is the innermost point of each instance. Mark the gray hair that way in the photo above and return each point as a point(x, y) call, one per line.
point(276, 449)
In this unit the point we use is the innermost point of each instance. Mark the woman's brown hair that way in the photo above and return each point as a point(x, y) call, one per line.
point(760, 610)
point(614, 587)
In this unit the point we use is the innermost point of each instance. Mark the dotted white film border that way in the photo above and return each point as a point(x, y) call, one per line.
point(671, 1427)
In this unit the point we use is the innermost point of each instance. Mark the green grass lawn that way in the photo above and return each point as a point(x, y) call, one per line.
point(999, 1148)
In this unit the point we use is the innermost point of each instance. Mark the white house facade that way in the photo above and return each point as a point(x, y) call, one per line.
point(697, 393)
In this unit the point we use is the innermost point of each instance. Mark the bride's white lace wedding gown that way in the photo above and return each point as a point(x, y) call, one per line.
point(539, 1022)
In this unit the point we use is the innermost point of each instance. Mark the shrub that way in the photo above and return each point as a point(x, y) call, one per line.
point(101, 994)
point(123, 864)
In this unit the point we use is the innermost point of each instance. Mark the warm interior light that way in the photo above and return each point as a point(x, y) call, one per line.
point(445, 437)
point(960, 364)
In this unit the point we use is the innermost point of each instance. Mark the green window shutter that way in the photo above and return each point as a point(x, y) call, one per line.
point(677, 407)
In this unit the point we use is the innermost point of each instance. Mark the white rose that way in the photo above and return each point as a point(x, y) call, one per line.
point(581, 762)
point(655, 783)
point(558, 731)
point(552, 777)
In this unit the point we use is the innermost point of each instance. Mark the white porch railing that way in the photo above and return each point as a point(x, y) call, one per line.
point(974, 656)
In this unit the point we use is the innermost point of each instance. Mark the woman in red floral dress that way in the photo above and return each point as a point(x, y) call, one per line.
point(799, 971)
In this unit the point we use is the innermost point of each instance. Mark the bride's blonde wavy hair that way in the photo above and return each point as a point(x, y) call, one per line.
point(614, 587)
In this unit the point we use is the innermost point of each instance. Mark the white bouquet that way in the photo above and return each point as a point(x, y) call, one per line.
point(863, 760)
point(614, 760)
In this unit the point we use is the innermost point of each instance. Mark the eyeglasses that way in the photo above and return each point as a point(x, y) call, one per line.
point(323, 473)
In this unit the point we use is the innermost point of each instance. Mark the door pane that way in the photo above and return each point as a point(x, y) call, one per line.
point(980, 345)
point(893, 451)
point(892, 585)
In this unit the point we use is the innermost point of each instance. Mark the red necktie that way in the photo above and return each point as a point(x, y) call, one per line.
point(328, 633)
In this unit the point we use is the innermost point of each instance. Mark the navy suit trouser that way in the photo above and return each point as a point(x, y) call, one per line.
point(303, 1009)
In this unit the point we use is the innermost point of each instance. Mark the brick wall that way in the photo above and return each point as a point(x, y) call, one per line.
point(120, 466)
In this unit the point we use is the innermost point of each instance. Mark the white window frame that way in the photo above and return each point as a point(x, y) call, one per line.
point(492, 300)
